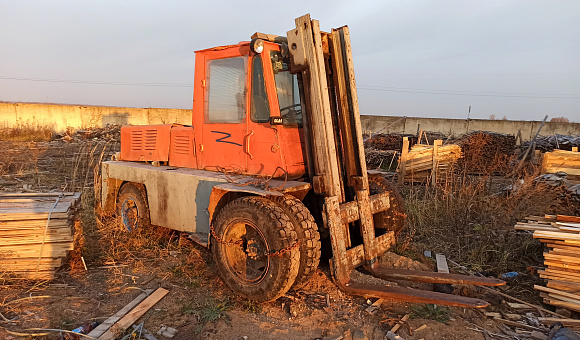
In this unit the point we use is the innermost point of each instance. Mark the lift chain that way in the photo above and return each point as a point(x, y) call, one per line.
point(278, 253)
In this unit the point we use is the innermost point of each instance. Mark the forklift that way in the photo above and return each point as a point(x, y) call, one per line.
point(272, 167)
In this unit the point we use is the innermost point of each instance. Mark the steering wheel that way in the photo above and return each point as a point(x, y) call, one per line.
point(289, 107)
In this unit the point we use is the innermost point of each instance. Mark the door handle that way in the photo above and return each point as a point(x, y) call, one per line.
point(247, 144)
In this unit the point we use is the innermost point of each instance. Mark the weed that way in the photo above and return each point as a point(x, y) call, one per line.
point(253, 307)
point(470, 219)
point(209, 310)
point(431, 312)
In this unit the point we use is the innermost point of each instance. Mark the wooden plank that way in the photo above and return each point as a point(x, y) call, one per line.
point(572, 287)
point(436, 145)
point(562, 258)
point(517, 324)
point(26, 250)
point(30, 264)
point(34, 239)
point(442, 266)
point(568, 218)
point(565, 322)
point(557, 235)
point(558, 303)
point(561, 265)
point(103, 327)
point(126, 321)
point(557, 292)
point(403, 160)
point(52, 194)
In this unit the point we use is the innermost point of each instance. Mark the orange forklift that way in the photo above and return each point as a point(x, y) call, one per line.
point(272, 166)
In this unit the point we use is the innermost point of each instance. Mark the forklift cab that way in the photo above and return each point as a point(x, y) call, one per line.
point(247, 111)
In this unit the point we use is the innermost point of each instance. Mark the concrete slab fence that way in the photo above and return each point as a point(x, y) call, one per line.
point(59, 117)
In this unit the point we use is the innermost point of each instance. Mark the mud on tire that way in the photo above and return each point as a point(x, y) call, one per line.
point(245, 233)
point(308, 234)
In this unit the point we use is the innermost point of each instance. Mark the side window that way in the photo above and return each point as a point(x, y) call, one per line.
point(226, 90)
point(260, 110)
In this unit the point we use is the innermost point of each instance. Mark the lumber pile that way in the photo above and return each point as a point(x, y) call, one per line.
point(428, 163)
point(36, 233)
point(486, 152)
point(561, 235)
point(561, 160)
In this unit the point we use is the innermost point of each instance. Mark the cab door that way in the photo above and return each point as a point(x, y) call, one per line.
point(224, 117)
point(274, 150)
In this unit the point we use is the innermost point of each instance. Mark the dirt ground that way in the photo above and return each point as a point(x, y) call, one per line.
point(199, 306)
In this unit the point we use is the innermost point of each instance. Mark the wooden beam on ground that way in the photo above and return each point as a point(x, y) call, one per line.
point(102, 328)
point(565, 322)
point(134, 315)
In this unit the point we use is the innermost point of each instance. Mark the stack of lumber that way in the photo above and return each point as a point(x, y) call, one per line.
point(424, 163)
point(486, 152)
point(36, 233)
point(560, 160)
point(561, 235)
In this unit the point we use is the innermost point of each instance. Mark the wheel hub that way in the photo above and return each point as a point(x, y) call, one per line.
point(130, 214)
point(247, 262)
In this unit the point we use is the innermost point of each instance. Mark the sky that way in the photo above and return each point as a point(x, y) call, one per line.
point(416, 58)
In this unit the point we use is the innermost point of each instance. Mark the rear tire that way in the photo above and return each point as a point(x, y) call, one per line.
point(308, 234)
point(245, 231)
point(392, 219)
point(132, 207)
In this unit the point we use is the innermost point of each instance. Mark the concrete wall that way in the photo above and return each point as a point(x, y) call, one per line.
point(410, 125)
point(59, 117)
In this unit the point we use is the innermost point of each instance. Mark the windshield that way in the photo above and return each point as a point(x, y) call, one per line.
point(287, 90)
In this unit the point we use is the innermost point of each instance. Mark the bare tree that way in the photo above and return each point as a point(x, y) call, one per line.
point(560, 120)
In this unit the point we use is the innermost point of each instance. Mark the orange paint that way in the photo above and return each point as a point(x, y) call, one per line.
point(225, 136)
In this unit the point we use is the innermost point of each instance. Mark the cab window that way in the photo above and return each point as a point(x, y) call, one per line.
point(287, 91)
point(260, 109)
point(226, 90)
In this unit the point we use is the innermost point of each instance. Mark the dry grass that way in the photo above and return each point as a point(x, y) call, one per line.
point(470, 219)
point(26, 133)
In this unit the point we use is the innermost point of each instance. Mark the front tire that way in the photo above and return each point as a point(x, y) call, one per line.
point(248, 235)
point(308, 234)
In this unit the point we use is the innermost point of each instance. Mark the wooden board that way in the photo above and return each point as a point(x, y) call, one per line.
point(442, 266)
point(33, 250)
point(126, 321)
point(103, 327)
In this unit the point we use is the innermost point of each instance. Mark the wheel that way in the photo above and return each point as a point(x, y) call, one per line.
point(132, 208)
point(392, 219)
point(307, 232)
point(255, 248)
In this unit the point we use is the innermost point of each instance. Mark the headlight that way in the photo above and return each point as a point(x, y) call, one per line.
point(257, 45)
